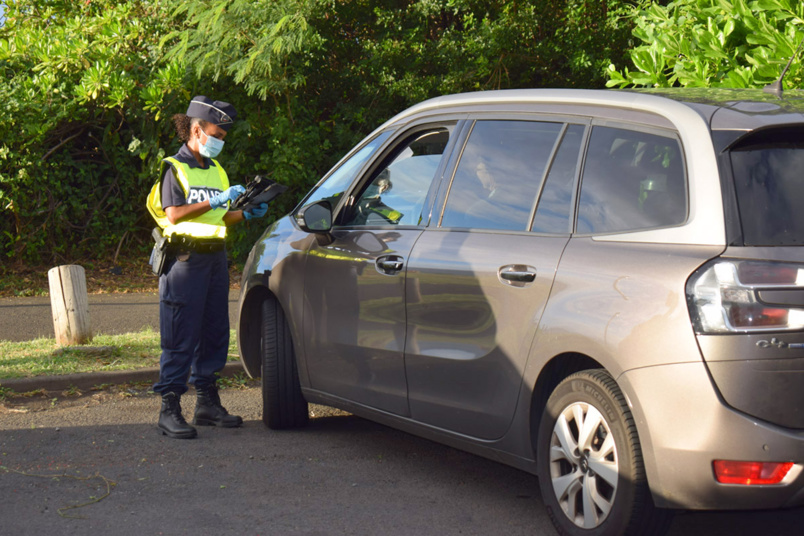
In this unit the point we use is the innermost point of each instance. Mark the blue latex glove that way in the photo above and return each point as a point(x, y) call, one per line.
point(229, 194)
point(256, 212)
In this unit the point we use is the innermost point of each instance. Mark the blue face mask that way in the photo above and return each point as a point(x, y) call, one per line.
point(211, 148)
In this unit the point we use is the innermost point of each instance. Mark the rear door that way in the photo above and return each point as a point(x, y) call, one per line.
point(478, 283)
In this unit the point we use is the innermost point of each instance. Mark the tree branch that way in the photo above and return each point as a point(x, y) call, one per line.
point(64, 141)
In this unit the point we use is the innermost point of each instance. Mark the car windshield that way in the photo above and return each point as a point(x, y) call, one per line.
point(769, 182)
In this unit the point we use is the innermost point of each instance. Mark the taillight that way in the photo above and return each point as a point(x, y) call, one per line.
point(751, 473)
point(723, 298)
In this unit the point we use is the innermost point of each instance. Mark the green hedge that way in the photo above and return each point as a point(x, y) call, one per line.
point(714, 43)
point(88, 89)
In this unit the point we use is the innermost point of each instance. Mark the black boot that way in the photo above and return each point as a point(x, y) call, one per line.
point(171, 421)
point(210, 412)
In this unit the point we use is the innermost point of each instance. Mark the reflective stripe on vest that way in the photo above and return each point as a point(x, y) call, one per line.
point(197, 184)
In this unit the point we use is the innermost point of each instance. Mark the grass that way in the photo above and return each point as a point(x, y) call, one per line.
point(43, 357)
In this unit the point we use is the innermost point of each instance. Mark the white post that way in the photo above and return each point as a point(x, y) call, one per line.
point(68, 302)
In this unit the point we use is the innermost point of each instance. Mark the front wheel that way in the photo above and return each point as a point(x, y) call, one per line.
point(283, 405)
point(591, 473)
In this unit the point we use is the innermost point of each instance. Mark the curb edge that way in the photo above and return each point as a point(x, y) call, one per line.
point(92, 379)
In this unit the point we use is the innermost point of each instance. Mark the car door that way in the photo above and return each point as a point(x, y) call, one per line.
point(354, 323)
point(478, 283)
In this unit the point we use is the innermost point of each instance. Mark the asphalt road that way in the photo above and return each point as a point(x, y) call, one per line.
point(25, 319)
point(340, 475)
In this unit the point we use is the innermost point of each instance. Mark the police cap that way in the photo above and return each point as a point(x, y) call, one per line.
point(218, 113)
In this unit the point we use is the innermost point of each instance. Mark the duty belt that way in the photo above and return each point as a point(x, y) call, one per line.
point(196, 245)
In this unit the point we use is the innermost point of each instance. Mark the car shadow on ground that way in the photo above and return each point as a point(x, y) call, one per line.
point(436, 461)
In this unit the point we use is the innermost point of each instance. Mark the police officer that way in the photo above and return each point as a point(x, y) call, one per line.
point(190, 204)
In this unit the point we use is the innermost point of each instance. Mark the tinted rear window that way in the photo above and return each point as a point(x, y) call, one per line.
point(769, 181)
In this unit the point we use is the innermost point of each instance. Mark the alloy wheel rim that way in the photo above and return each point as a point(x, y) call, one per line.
point(584, 465)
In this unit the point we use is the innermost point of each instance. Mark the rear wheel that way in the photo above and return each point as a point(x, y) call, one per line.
point(591, 472)
point(283, 405)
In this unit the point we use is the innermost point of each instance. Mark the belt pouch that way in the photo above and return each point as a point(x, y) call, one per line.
point(159, 253)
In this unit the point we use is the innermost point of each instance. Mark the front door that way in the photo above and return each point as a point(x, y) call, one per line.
point(354, 309)
point(354, 320)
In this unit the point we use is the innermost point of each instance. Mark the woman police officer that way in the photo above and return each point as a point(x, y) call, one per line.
point(190, 204)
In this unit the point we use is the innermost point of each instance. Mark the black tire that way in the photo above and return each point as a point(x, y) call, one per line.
point(283, 405)
point(611, 469)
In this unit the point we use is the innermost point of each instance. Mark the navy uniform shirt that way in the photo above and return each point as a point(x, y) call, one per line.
point(172, 192)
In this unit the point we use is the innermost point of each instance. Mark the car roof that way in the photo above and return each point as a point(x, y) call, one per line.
point(722, 108)
point(738, 109)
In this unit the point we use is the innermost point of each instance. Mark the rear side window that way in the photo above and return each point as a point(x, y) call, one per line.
point(769, 181)
point(632, 180)
point(499, 175)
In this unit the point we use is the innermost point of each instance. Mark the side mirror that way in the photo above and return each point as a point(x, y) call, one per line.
point(315, 218)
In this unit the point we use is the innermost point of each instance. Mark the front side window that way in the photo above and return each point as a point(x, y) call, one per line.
point(632, 180)
point(333, 187)
point(396, 192)
point(769, 183)
point(499, 175)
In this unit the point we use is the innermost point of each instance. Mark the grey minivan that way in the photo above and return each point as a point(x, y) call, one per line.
point(602, 288)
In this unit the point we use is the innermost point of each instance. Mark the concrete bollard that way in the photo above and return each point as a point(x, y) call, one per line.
point(69, 305)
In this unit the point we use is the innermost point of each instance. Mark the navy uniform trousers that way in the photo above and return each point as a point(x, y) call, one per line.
point(193, 321)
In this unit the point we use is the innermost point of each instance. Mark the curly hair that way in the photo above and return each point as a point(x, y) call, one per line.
point(184, 123)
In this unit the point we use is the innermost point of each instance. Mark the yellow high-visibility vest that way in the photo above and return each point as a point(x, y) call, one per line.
point(196, 183)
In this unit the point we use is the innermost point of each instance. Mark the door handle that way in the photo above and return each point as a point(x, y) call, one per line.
point(517, 274)
point(519, 277)
point(389, 264)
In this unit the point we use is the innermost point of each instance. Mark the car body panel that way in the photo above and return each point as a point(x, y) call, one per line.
point(684, 426)
point(621, 303)
point(278, 256)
